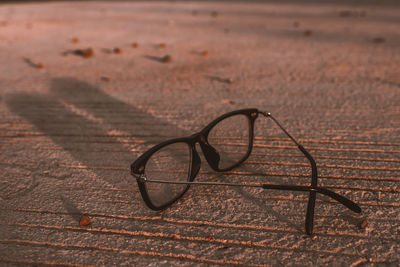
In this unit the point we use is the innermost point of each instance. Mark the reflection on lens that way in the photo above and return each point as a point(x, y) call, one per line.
point(170, 163)
point(231, 138)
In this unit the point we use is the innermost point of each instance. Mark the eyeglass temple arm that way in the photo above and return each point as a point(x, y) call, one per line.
point(347, 202)
point(314, 181)
point(316, 189)
point(314, 173)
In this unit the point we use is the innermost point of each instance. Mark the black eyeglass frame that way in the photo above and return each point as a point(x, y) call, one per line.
point(212, 158)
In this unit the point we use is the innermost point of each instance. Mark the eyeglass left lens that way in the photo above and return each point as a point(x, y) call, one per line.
point(231, 139)
point(170, 163)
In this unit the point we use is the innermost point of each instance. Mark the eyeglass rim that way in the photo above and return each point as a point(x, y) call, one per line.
point(142, 185)
point(138, 167)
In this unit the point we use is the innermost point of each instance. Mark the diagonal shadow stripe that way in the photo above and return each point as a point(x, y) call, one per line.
point(92, 111)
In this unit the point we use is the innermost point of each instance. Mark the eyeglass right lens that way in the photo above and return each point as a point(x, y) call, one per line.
point(231, 138)
point(170, 163)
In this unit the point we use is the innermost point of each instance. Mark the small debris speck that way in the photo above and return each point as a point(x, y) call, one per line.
point(75, 40)
point(39, 65)
point(135, 45)
point(209, 237)
point(204, 53)
point(106, 79)
point(162, 45)
point(85, 220)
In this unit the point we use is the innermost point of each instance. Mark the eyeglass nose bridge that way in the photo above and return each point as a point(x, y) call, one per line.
point(210, 153)
point(196, 164)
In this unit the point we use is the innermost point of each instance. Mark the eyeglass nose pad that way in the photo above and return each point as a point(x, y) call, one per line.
point(211, 155)
point(196, 163)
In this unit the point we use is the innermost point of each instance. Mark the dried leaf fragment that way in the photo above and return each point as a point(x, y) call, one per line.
point(86, 53)
point(85, 220)
point(307, 32)
point(166, 59)
point(214, 14)
point(359, 262)
point(378, 40)
point(345, 13)
point(229, 80)
point(362, 224)
point(352, 13)
point(228, 101)
point(117, 50)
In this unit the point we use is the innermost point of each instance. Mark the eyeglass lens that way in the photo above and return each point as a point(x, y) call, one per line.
point(230, 138)
point(170, 163)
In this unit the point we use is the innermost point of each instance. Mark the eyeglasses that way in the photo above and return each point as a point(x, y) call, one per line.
point(165, 172)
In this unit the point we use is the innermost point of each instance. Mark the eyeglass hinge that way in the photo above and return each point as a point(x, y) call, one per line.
point(266, 114)
point(141, 178)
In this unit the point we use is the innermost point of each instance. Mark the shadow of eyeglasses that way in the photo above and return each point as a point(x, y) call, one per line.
point(77, 110)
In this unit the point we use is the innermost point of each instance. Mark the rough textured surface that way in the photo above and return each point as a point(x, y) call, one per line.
point(71, 127)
